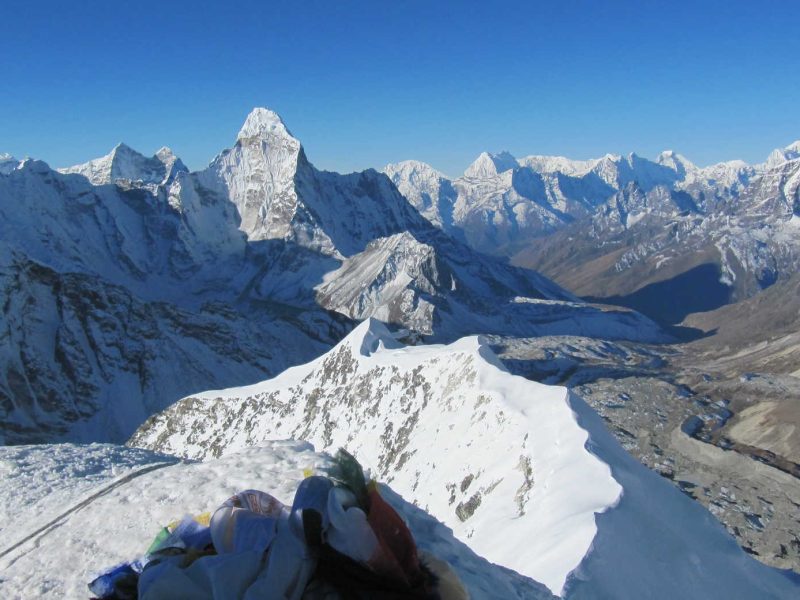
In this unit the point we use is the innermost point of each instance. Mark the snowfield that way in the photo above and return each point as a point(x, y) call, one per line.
point(120, 524)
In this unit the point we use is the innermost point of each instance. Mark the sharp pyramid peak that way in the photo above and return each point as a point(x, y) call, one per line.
point(123, 147)
point(487, 164)
point(263, 123)
point(164, 151)
point(673, 158)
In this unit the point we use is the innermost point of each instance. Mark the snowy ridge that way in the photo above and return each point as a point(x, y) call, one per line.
point(461, 400)
point(422, 286)
point(490, 165)
point(125, 164)
point(520, 472)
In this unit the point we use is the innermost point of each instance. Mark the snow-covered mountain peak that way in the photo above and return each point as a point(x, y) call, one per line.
point(264, 124)
point(258, 175)
point(678, 162)
point(611, 157)
point(7, 163)
point(557, 164)
point(489, 165)
point(428, 190)
point(412, 170)
point(781, 155)
point(370, 336)
point(390, 403)
point(166, 155)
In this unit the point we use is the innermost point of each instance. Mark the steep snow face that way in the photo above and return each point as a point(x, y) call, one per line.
point(258, 176)
point(150, 239)
point(489, 165)
point(781, 155)
point(676, 162)
point(109, 502)
point(499, 205)
point(429, 191)
point(125, 164)
point(394, 280)
point(618, 171)
point(280, 195)
point(526, 474)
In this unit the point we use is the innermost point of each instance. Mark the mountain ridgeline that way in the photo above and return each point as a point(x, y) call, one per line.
point(624, 229)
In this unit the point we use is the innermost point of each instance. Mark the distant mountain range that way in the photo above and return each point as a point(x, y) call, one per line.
point(665, 237)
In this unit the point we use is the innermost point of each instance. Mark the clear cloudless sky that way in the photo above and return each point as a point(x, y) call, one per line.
point(362, 84)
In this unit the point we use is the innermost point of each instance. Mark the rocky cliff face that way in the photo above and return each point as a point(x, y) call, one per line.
point(84, 359)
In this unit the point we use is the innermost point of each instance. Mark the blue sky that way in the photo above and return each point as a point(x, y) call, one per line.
point(366, 83)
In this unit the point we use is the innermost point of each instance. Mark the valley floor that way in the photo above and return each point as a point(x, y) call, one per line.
point(718, 416)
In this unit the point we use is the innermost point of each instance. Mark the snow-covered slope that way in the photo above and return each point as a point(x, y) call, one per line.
point(280, 195)
point(111, 502)
point(84, 359)
point(526, 474)
point(428, 190)
point(7, 163)
point(781, 155)
point(500, 202)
